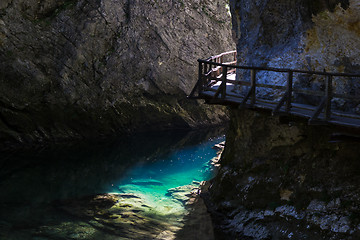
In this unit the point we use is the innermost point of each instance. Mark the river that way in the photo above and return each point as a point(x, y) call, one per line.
point(132, 187)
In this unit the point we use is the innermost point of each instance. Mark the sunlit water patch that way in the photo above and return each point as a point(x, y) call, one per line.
point(154, 180)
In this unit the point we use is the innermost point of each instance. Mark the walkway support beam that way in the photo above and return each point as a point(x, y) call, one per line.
point(253, 87)
point(289, 91)
point(328, 97)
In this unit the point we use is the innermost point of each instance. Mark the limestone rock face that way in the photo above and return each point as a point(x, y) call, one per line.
point(312, 35)
point(74, 68)
point(285, 178)
point(309, 35)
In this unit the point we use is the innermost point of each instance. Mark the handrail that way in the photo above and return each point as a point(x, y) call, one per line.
point(335, 74)
point(213, 71)
point(221, 54)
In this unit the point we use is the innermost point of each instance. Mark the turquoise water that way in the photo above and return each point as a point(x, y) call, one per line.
point(153, 178)
point(32, 183)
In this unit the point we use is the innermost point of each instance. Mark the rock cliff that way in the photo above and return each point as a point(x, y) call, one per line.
point(319, 35)
point(281, 178)
point(314, 35)
point(80, 69)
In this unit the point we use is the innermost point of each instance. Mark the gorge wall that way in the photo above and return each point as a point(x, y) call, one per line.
point(317, 35)
point(281, 178)
point(284, 179)
point(309, 35)
point(74, 69)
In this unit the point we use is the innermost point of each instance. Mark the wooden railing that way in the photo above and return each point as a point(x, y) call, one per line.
point(214, 70)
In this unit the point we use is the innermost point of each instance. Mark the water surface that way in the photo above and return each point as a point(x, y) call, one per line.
point(32, 183)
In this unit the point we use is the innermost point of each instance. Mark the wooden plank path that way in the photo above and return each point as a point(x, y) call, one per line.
point(217, 84)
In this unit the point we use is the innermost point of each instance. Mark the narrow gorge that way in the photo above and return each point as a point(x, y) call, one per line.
point(101, 137)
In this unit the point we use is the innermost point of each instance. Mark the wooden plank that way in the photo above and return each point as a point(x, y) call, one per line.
point(270, 86)
point(346, 115)
point(304, 106)
point(318, 110)
point(236, 82)
point(309, 92)
point(266, 101)
point(300, 110)
point(276, 110)
point(344, 96)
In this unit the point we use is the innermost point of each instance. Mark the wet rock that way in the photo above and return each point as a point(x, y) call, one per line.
point(219, 146)
point(256, 231)
point(289, 179)
point(183, 193)
point(289, 211)
point(316, 206)
point(333, 204)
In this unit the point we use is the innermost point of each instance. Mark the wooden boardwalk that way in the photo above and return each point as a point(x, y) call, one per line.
point(217, 84)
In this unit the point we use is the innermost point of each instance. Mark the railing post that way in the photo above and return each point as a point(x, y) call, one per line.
point(289, 91)
point(223, 83)
point(253, 87)
point(206, 76)
point(328, 97)
point(201, 82)
point(221, 59)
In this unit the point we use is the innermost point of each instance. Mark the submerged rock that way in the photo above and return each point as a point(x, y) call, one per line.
point(183, 193)
point(132, 216)
point(129, 216)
